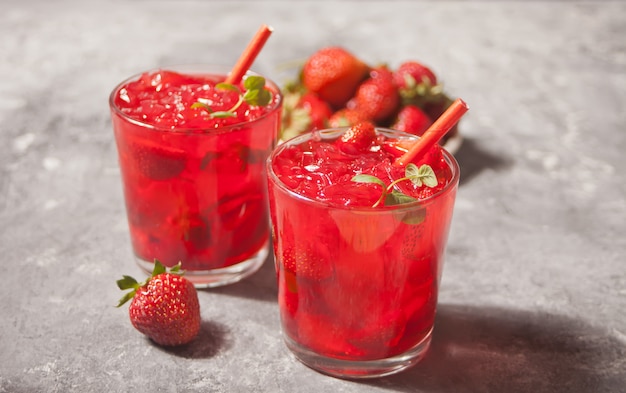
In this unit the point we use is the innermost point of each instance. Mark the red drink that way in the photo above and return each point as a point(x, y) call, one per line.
point(193, 182)
point(357, 284)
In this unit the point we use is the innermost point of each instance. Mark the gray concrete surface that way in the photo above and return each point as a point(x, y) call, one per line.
point(533, 297)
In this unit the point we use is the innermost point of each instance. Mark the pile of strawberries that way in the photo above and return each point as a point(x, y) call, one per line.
point(337, 89)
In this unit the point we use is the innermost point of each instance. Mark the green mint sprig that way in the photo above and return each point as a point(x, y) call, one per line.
point(419, 176)
point(254, 94)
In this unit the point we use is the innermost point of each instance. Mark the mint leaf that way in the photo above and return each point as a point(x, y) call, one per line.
point(422, 175)
point(398, 198)
point(251, 96)
point(201, 105)
point(226, 86)
point(428, 176)
point(264, 98)
point(412, 172)
point(256, 94)
point(363, 178)
point(414, 217)
point(222, 114)
point(254, 83)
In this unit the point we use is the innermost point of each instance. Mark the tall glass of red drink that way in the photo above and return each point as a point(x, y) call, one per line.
point(194, 182)
point(357, 284)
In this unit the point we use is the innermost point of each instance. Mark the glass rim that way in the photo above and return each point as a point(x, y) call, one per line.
point(195, 69)
point(450, 159)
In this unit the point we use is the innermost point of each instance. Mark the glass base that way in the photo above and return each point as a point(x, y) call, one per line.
point(218, 277)
point(355, 369)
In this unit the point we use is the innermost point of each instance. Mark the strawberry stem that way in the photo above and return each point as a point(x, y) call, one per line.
point(128, 282)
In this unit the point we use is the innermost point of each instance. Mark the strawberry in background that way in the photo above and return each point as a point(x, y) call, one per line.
point(334, 74)
point(412, 119)
point(377, 98)
point(327, 81)
point(335, 88)
point(414, 76)
point(303, 111)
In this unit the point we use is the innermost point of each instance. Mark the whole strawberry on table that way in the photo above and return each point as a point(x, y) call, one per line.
point(337, 89)
point(164, 307)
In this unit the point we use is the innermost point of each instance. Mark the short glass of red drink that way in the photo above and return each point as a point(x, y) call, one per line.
point(192, 160)
point(358, 268)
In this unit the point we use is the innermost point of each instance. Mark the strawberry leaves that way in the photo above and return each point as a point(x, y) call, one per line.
point(128, 282)
point(254, 94)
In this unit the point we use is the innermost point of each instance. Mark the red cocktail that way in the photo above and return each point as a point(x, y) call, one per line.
point(358, 264)
point(192, 158)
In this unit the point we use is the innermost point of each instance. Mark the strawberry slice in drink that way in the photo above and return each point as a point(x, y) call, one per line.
point(353, 194)
point(305, 263)
point(233, 159)
point(176, 239)
point(289, 297)
point(157, 162)
point(379, 334)
point(323, 335)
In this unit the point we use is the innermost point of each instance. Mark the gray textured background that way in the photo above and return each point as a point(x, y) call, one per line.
point(533, 297)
